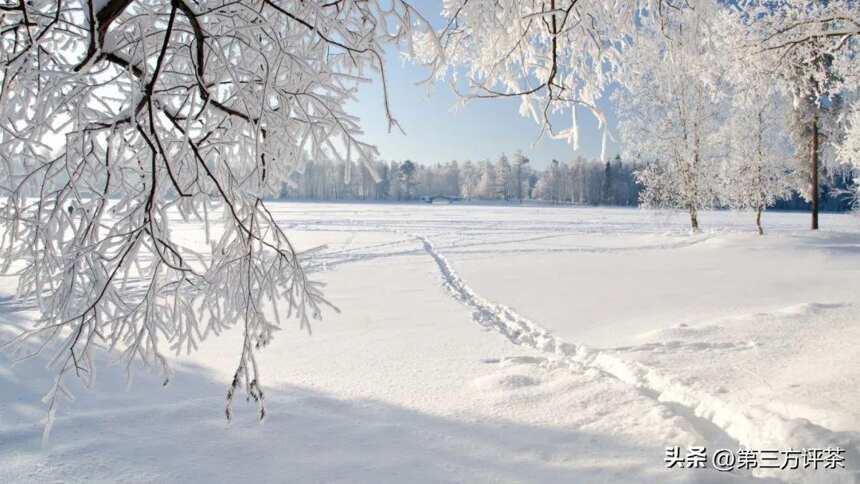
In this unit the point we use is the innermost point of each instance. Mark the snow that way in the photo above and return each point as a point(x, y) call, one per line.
point(493, 344)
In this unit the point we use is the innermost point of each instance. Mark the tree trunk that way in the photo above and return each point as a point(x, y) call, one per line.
point(814, 159)
point(758, 220)
point(694, 220)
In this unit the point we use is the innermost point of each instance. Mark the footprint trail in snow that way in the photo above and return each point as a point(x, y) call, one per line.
point(722, 423)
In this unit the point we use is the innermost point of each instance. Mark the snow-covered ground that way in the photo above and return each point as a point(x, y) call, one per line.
point(495, 344)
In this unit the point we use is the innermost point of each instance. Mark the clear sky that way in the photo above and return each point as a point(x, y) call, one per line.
point(437, 132)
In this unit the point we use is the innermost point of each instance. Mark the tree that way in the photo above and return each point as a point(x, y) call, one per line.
point(849, 150)
point(803, 44)
point(520, 162)
point(532, 183)
point(671, 107)
point(606, 190)
point(385, 181)
point(504, 179)
point(469, 180)
point(488, 188)
point(815, 105)
point(548, 186)
point(755, 173)
point(452, 179)
point(133, 111)
point(577, 180)
point(755, 170)
point(407, 178)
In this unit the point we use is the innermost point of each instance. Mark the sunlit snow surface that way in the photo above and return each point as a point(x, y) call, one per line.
point(494, 344)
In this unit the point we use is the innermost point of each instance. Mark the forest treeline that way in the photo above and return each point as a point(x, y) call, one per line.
point(579, 182)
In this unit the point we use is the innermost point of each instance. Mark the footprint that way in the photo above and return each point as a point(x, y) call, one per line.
point(505, 382)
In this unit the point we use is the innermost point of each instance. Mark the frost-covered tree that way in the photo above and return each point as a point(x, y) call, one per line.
point(607, 188)
point(520, 175)
point(488, 187)
point(549, 185)
point(671, 107)
point(848, 149)
point(452, 179)
point(813, 121)
point(558, 56)
point(118, 116)
point(407, 179)
point(804, 44)
point(504, 178)
point(469, 177)
point(755, 172)
point(578, 180)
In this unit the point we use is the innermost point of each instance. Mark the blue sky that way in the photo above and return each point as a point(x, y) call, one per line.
point(436, 132)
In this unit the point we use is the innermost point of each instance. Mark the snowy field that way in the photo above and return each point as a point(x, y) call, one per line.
point(494, 344)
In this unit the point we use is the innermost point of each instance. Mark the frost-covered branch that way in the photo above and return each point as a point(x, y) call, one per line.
point(554, 55)
point(119, 118)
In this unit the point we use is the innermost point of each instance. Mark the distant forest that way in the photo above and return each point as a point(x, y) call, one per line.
point(577, 182)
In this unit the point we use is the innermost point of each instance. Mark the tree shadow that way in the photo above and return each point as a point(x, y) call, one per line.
point(146, 432)
point(844, 243)
point(178, 433)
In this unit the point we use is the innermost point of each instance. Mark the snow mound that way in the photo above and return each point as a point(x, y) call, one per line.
point(809, 309)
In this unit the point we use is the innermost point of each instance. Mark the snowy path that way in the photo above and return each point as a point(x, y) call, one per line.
point(733, 425)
